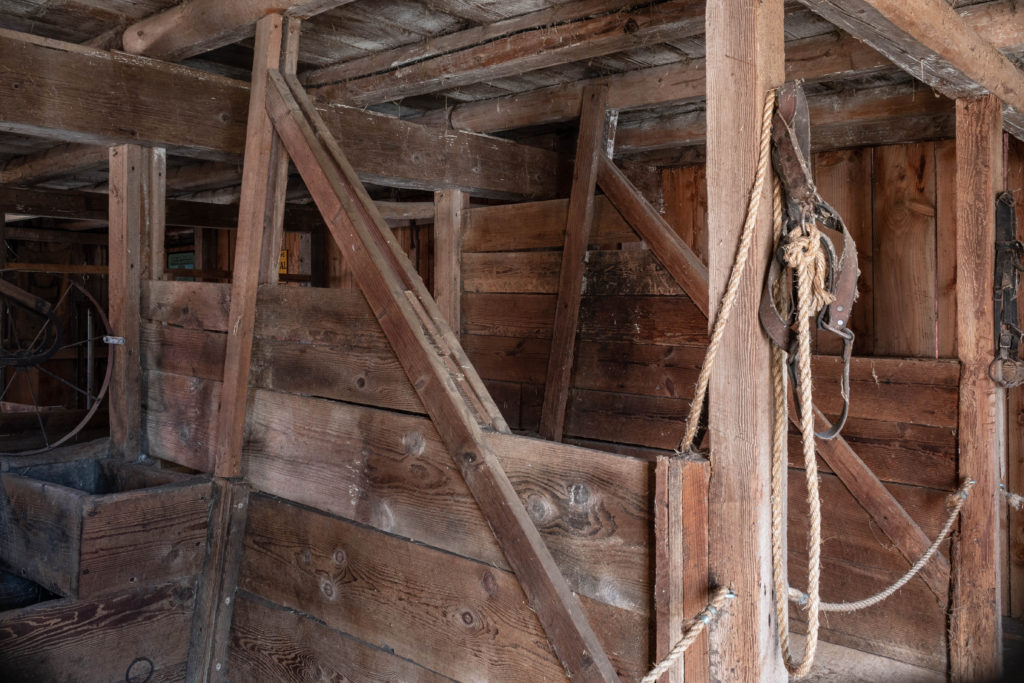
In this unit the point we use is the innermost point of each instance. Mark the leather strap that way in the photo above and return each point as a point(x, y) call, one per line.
point(791, 159)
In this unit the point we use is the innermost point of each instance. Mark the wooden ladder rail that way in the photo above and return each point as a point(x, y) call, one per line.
point(459, 405)
point(687, 270)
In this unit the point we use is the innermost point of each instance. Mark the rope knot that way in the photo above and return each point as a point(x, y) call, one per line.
point(802, 251)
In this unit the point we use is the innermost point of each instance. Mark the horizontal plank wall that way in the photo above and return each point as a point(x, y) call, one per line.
point(640, 345)
point(339, 438)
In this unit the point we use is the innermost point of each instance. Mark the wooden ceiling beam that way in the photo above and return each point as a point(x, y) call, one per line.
point(197, 26)
point(826, 57)
point(62, 160)
point(542, 46)
point(934, 44)
point(43, 84)
point(879, 116)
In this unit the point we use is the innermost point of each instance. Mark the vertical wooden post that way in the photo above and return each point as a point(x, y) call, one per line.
point(260, 233)
point(136, 222)
point(744, 60)
point(449, 214)
point(589, 147)
point(681, 561)
point(976, 636)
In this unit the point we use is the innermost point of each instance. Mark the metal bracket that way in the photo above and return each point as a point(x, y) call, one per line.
point(1007, 370)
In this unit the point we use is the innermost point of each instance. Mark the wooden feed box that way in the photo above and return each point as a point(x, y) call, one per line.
point(90, 526)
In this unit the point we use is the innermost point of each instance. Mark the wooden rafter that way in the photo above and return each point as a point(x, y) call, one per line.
point(62, 160)
point(810, 59)
point(197, 26)
point(594, 34)
point(458, 404)
point(580, 219)
point(43, 83)
point(932, 43)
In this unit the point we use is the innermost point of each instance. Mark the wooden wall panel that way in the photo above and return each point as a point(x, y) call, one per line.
point(96, 641)
point(843, 178)
point(686, 206)
point(411, 599)
point(904, 250)
point(392, 472)
point(275, 644)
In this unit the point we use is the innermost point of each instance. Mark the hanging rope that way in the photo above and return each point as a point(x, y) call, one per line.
point(693, 631)
point(958, 502)
point(802, 253)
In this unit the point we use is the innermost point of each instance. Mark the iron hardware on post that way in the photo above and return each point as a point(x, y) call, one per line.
point(1007, 370)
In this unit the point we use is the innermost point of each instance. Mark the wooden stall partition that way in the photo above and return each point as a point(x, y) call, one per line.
point(640, 346)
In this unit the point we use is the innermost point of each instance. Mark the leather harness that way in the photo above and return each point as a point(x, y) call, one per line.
point(803, 206)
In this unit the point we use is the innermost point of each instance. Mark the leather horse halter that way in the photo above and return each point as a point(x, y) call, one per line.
point(804, 206)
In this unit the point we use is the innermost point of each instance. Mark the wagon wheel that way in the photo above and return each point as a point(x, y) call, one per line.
point(54, 366)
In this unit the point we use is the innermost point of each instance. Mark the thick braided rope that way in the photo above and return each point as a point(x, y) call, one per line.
point(693, 631)
point(959, 497)
point(780, 434)
point(733, 286)
point(802, 254)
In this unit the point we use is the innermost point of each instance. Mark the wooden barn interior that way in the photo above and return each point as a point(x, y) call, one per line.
point(356, 340)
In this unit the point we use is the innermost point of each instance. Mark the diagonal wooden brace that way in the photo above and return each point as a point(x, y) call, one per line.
point(458, 404)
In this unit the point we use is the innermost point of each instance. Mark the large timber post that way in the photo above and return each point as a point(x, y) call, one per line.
point(745, 59)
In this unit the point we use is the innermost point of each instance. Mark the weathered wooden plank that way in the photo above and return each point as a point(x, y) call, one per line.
point(195, 305)
point(745, 59)
point(190, 111)
point(681, 560)
point(216, 584)
point(536, 272)
point(451, 206)
point(270, 643)
point(599, 34)
point(260, 225)
point(180, 419)
point(537, 225)
point(933, 44)
point(914, 626)
point(637, 319)
point(182, 350)
point(134, 214)
point(369, 375)
point(904, 214)
point(96, 641)
point(42, 532)
point(945, 248)
point(407, 486)
point(142, 537)
point(578, 226)
point(412, 599)
point(976, 634)
point(489, 31)
point(175, 33)
point(872, 116)
point(1014, 173)
point(650, 421)
point(686, 206)
point(668, 247)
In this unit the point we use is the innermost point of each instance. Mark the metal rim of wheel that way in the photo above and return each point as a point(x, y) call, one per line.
point(94, 398)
